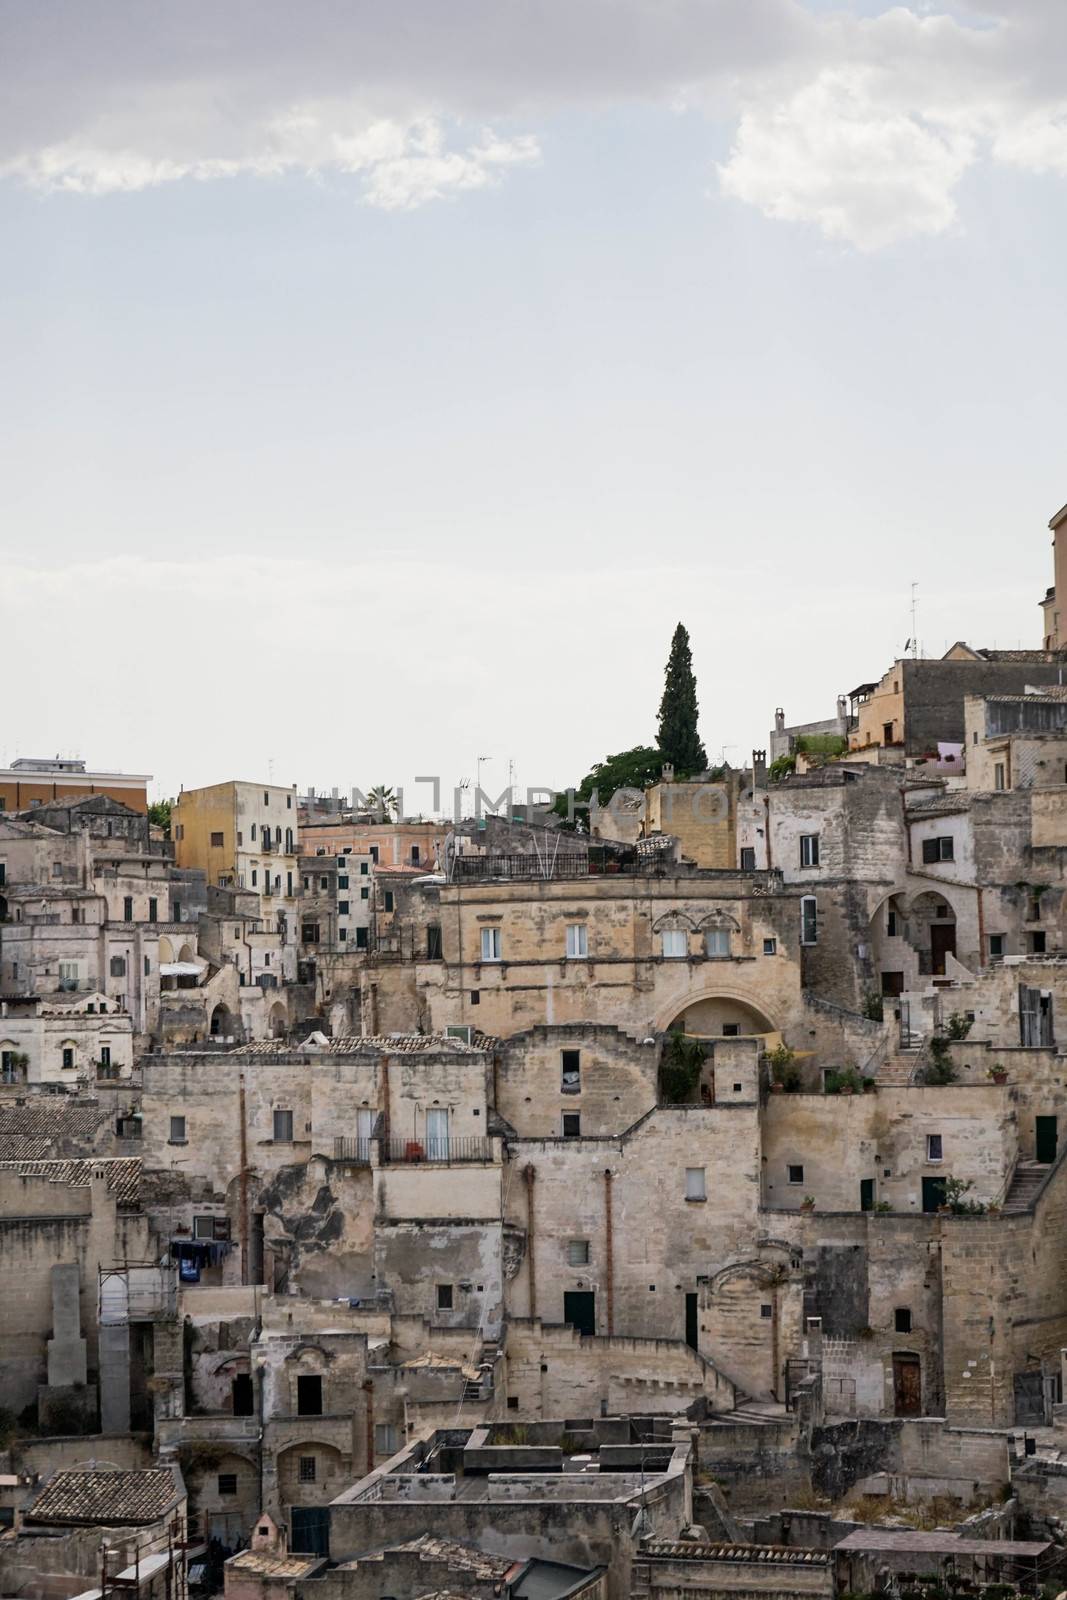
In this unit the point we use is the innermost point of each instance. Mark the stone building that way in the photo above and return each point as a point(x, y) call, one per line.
point(35, 781)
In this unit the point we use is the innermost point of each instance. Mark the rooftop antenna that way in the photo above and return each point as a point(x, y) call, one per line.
point(481, 759)
point(914, 630)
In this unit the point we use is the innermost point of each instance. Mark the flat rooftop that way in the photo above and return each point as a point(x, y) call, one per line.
point(939, 1543)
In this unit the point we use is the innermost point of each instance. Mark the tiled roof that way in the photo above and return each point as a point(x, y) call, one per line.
point(269, 1565)
point(942, 806)
point(110, 1498)
point(770, 1555)
point(940, 1543)
point(460, 1557)
point(49, 1125)
point(377, 1044)
point(123, 1175)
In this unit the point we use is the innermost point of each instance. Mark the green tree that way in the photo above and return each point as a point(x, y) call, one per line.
point(679, 740)
point(383, 800)
point(159, 815)
point(630, 769)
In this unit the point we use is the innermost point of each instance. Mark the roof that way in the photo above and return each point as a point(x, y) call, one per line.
point(371, 1043)
point(460, 1557)
point(123, 1174)
point(269, 1564)
point(763, 1554)
point(49, 1126)
point(1057, 517)
point(939, 1543)
point(443, 1363)
point(110, 1498)
point(945, 805)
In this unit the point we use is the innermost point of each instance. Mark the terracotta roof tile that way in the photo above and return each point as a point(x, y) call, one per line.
point(110, 1498)
point(123, 1175)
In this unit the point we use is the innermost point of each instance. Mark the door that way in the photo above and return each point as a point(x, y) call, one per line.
point(243, 1395)
point(1045, 1139)
point(933, 1194)
point(942, 944)
point(436, 1134)
point(310, 1530)
point(907, 1385)
point(866, 1194)
point(364, 1129)
point(1029, 1399)
point(691, 1325)
point(579, 1309)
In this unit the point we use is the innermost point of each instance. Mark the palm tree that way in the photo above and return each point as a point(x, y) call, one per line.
point(383, 800)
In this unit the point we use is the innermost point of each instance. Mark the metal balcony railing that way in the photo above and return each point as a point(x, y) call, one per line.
point(446, 1151)
point(354, 1151)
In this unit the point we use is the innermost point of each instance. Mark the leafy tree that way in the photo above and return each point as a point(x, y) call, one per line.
point(630, 769)
point(679, 740)
point(383, 800)
point(159, 815)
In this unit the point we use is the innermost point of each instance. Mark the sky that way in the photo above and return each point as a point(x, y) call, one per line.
point(382, 380)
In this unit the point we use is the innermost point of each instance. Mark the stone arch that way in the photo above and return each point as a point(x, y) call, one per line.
point(715, 1003)
point(222, 1025)
point(166, 949)
point(719, 919)
point(932, 929)
point(674, 919)
point(186, 953)
point(278, 1020)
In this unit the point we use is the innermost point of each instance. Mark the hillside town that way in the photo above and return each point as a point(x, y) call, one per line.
point(654, 1188)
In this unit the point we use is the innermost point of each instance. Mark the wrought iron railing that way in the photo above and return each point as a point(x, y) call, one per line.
point(446, 1151)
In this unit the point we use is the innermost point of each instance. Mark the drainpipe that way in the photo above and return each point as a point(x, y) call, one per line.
point(530, 1176)
point(767, 829)
point(385, 1110)
point(243, 1201)
point(609, 1264)
point(368, 1392)
point(981, 928)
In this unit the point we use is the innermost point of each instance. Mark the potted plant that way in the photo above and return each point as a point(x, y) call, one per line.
point(998, 1073)
point(808, 1203)
point(870, 1086)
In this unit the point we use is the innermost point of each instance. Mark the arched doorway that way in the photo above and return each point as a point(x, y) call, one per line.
point(716, 1015)
point(932, 929)
point(221, 1021)
point(279, 1021)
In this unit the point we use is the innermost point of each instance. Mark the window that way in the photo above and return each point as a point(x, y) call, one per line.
point(902, 1319)
point(934, 1148)
point(240, 840)
point(127, 908)
point(572, 1125)
point(255, 877)
point(3, 873)
point(940, 849)
point(364, 868)
point(105, 1055)
point(491, 944)
point(266, 798)
point(307, 883)
point(342, 880)
point(389, 900)
point(695, 1185)
point(796, 1174)
point(445, 1297)
point(253, 833)
point(364, 893)
point(306, 1473)
point(289, 883)
point(342, 908)
point(118, 966)
point(891, 924)
point(324, 883)
point(211, 1227)
point(342, 933)
point(770, 947)
point(361, 938)
point(385, 1440)
point(1037, 942)
point(809, 920)
point(717, 941)
point(177, 1130)
point(227, 1483)
point(809, 849)
point(309, 1395)
point(68, 1056)
point(309, 933)
point(996, 945)
point(288, 802)
point(577, 941)
point(577, 1252)
point(433, 942)
point(766, 1311)
point(373, 853)
point(887, 733)
point(283, 1127)
point(998, 775)
point(571, 1076)
point(748, 858)
point(674, 942)
point(414, 855)
point(731, 1030)
point(177, 911)
point(153, 910)
point(218, 840)
point(476, 997)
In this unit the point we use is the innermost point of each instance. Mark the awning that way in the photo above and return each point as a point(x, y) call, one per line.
point(181, 969)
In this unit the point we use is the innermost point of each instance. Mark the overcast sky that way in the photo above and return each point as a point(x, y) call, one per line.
point(383, 381)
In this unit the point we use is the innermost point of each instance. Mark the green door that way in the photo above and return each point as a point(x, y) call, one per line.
point(1045, 1139)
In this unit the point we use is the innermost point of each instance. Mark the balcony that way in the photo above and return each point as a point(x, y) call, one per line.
point(441, 1152)
point(356, 1152)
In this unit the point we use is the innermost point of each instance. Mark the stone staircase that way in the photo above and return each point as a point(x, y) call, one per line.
point(752, 1413)
point(1026, 1181)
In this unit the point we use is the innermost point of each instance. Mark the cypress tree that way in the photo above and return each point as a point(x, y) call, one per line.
point(679, 741)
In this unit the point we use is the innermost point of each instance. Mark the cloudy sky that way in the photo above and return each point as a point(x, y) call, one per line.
point(383, 379)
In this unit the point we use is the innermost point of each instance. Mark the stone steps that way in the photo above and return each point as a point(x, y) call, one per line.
point(1025, 1183)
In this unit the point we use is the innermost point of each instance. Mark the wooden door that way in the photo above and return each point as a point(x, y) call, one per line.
point(1045, 1139)
point(942, 944)
point(907, 1385)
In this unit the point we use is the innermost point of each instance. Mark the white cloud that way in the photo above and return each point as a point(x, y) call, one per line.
point(860, 126)
point(831, 155)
